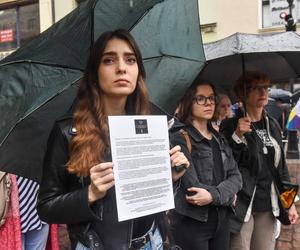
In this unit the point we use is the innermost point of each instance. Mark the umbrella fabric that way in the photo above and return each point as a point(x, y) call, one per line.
point(296, 96)
point(276, 55)
point(294, 118)
point(273, 109)
point(54, 60)
point(280, 95)
point(38, 82)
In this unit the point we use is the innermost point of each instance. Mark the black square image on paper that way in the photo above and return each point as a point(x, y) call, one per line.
point(141, 126)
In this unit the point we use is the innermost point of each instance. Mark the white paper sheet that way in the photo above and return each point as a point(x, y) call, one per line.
point(142, 170)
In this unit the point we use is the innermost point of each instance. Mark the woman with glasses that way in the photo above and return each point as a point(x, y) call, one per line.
point(205, 193)
point(255, 139)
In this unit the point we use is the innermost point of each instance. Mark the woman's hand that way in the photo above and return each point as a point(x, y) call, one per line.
point(243, 126)
point(200, 197)
point(178, 158)
point(102, 179)
point(293, 215)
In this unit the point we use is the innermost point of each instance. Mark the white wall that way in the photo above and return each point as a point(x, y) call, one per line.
point(62, 8)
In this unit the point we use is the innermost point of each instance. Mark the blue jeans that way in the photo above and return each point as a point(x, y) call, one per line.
point(35, 239)
point(155, 242)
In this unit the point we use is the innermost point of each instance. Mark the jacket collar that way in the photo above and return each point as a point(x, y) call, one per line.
point(198, 137)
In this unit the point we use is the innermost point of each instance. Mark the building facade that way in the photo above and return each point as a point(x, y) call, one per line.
point(22, 20)
point(221, 18)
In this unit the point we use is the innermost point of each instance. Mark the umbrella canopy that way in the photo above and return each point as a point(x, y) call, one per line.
point(38, 82)
point(280, 95)
point(273, 109)
point(296, 96)
point(294, 118)
point(276, 55)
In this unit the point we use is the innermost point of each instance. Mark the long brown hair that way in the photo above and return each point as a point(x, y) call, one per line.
point(185, 107)
point(90, 145)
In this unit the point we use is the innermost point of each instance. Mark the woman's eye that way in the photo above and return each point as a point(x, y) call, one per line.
point(131, 60)
point(107, 60)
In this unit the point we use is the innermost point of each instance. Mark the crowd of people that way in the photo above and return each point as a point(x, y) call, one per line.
point(224, 194)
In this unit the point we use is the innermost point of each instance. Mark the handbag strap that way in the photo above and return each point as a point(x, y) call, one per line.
point(187, 140)
point(276, 177)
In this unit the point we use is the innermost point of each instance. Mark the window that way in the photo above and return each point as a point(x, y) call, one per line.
point(29, 22)
point(18, 25)
point(8, 34)
point(271, 10)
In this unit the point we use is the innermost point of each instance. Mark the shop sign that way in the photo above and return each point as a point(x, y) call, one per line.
point(6, 35)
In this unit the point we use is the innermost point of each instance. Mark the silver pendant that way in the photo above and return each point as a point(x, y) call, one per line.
point(265, 150)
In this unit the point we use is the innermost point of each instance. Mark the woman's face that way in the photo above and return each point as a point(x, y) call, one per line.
point(118, 69)
point(203, 106)
point(258, 95)
point(224, 108)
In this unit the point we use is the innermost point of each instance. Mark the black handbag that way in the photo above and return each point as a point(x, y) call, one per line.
point(287, 193)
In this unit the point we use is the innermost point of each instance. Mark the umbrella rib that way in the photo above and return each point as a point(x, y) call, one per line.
point(165, 55)
point(42, 63)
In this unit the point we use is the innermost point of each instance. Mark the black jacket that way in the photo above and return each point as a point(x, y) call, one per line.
point(200, 173)
point(249, 158)
point(63, 199)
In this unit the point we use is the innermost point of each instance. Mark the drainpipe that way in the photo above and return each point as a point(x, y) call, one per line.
point(53, 10)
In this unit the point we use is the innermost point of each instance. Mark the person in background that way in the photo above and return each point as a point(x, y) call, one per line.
point(205, 193)
point(23, 229)
point(223, 110)
point(256, 143)
point(77, 187)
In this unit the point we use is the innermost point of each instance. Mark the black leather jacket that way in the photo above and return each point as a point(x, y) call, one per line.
point(63, 199)
point(200, 173)
point(249, 158)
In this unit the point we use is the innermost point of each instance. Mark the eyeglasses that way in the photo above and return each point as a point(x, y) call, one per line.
point(202, 100)
point(259, 89)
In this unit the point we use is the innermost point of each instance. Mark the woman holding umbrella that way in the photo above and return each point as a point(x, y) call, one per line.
point(257, 146)
point(205, 193)
point(78, 182)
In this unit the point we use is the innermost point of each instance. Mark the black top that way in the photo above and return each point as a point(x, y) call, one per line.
point(262, 198)
point(142, 225)
point(218, 171)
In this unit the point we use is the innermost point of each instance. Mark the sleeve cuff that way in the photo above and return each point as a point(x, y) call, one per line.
point(237, 139)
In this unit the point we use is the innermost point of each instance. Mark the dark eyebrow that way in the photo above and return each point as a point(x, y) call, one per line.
point(112, 53)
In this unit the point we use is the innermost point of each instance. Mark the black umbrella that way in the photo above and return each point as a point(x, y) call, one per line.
point(296, 96)
point(276, 55)
point(273, 109)
point(280, 95)
point(35, 90)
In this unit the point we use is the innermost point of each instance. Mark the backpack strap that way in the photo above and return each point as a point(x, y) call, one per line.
point(187, 140)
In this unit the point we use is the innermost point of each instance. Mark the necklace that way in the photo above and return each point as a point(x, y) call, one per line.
point(262, 136)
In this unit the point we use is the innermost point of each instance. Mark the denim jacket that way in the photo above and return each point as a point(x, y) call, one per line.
point(200, 173)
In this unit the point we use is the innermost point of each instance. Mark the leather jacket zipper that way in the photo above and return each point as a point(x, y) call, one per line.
point(101, 211)
point(131, 233)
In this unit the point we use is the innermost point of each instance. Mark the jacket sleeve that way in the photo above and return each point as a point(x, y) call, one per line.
point(223, 193)
point(189, 179)
point(246, 156)
point(57, 203)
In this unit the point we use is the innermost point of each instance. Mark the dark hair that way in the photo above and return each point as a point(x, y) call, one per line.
point(246, 81)
point(185, 106)
point(91, 143)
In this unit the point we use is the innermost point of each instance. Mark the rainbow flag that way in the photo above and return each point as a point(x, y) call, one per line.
point(294, 118)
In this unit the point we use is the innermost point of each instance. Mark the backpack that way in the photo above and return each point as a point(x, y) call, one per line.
point(5, 190)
